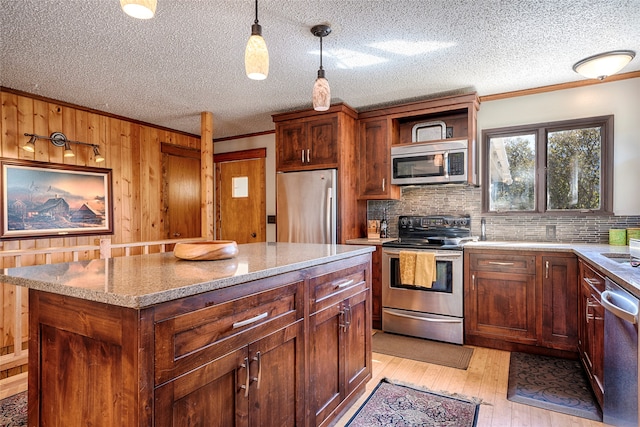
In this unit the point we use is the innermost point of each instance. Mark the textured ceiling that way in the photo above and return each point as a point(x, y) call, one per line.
point(190, 57)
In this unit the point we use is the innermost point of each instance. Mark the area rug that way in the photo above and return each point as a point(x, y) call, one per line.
point(439, 353)
point(13, 410)
point(403, 406)
point(551, 383)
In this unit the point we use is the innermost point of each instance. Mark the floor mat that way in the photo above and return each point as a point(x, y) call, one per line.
point(13, 410)
point(399, 405)
point(439, 353)
point(551, 383)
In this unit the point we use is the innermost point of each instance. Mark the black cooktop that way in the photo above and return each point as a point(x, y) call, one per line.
point(432, 232)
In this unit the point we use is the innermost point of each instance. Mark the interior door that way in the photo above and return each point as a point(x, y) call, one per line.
point(181, 184)
point(240, 198)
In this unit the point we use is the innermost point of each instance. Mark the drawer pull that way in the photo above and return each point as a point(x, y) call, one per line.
point(499, 263)
point(345, 284)
point(250, 321)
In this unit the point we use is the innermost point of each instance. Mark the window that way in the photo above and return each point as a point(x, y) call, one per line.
point(550, 167)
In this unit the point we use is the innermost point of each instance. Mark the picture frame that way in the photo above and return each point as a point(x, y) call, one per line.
point(44, 200)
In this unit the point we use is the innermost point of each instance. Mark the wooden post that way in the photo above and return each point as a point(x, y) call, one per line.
point(206, 175)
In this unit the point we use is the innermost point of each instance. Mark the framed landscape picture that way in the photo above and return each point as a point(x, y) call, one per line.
point(54, 200)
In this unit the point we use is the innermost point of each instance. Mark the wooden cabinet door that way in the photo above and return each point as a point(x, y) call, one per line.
point(375, 162)
point(276, 394)
point(326, 374)
point(357, 341)
point(322, 142)
point(559, 302)
point(291, 145)
point(214, 395)
point(376, 288)
point(503, 306)
point(596, 326)
point(592, 339)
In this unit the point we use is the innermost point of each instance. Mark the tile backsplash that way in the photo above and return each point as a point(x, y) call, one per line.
point(463, 199)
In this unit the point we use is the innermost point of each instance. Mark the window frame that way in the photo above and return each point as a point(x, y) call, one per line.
point(541, 130)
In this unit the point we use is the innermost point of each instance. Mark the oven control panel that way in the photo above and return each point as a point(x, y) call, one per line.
point(434, 222)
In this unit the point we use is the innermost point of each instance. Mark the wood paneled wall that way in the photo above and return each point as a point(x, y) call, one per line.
point(131, 149)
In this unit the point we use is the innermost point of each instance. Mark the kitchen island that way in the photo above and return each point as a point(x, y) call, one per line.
point(279, 335)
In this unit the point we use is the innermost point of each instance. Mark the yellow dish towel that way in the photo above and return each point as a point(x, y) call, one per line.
point(425, 273)
point(407, 267)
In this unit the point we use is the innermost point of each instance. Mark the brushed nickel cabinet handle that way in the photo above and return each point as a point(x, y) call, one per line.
point(302, 152)
point(384, 180)
point(499, 263)
point(546, 268)
point(473, 282)
point(345, 284)
point(250, 321)
point(308, 155)
point(245, 386)
point(258, 359)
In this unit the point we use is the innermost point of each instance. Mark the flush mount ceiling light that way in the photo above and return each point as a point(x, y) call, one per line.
point(60, 140)
point(141, 9)
point(603, 65)
point(321, 91)
point(256, 55)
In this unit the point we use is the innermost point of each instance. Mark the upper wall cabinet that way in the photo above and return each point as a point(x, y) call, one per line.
point(312, 140)
point(375, 161)
point(381, 128)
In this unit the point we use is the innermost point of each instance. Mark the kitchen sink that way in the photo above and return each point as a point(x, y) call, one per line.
point(617, 257)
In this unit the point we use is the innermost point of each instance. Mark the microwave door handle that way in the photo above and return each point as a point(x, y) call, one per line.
point(445, 163)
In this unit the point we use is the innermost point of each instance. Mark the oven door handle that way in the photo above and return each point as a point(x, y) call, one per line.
point(408, 316)
point(439, 257)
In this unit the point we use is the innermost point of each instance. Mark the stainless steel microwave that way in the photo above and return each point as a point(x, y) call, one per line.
point(430, 163)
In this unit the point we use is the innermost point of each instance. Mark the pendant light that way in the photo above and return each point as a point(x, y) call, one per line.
point(321, 90)
point(141, 9)
point(603, 65)
point(256, 55)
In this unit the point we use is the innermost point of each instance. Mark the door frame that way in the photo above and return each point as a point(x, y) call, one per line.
point(232, 156)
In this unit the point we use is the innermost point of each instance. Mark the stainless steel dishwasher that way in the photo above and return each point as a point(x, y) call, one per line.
point(620, 356)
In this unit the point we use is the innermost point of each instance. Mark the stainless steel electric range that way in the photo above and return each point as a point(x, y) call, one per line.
point(436, 312)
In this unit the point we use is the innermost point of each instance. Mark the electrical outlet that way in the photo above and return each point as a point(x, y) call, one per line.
point(551, 232)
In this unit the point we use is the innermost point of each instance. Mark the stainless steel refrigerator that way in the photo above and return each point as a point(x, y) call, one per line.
point(306, 208)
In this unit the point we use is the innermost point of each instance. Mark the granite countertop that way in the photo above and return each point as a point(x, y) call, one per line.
point(620, 272)
point(367, 241)
point(144, 280)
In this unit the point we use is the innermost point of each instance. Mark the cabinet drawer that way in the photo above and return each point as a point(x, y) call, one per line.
point(185, 341)
point(331, 288)
point(591, 278)
point(503, 262)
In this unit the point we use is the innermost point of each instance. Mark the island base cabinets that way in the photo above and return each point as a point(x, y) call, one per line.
point(340, 361)
point(591, 328)
point(258, 385)
point(340, 342)
point(83, 360)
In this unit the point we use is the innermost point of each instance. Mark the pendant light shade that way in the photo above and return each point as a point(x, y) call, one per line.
point(321, 91)
point(141, 9)
point(603, 65)
point(256, 55)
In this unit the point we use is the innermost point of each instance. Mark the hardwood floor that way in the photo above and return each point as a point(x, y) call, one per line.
point(486, 378)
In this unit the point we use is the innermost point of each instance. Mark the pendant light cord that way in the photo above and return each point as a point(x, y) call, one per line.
point(321, 52)
point(256, 21)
